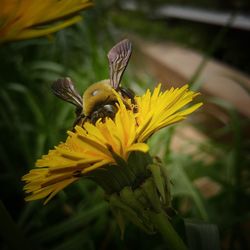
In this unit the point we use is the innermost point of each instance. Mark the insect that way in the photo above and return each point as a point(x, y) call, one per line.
point(98, 100)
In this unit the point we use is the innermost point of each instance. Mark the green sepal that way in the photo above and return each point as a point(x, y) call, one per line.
point(138, 163)
point(165, 176)
point(151, 194)
point(140, 196)
point(128, 197)
point(128, 212)
point(119, 219)
point(119, 161)
point(158, 180)
point(113, 178)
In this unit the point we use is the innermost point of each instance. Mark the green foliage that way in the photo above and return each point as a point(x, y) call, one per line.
point(228, 208)
point(33, 120)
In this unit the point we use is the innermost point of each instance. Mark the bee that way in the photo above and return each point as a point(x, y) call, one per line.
point(98, 100)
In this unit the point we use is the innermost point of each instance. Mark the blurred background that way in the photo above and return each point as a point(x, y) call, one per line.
point(200, 42)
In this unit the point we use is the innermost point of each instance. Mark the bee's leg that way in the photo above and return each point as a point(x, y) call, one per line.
point(110, 110)
point(95, 116)
point(128, 93)
point(80, 120)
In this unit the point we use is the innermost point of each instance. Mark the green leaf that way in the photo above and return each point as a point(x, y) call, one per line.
point(77, 221)
point(10, 232)
point(184, 187)
point(202, 236)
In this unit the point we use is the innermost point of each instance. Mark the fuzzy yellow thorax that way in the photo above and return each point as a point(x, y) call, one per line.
point(97, 94)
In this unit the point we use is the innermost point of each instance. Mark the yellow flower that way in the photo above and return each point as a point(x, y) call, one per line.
point(95, 146)
point(23, 19)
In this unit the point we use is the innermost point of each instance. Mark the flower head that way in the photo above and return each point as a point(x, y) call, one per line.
point(95, 146)
point(23, 19)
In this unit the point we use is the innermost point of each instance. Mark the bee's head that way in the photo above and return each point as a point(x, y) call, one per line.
point(99, 93)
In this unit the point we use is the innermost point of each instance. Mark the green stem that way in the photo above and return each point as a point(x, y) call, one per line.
point(164, 227)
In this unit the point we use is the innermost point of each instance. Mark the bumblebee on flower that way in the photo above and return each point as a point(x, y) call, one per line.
point(109, 121)
point(109, 143)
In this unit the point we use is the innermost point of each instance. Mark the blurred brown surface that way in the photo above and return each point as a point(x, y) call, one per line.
point(175, 66)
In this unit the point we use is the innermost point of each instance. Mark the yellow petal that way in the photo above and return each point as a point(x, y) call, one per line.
point(143, 147)
point(95, 146)
point(23, 19)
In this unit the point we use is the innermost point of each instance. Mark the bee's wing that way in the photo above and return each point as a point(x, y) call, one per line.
point(64, 89)
point(118, 58)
